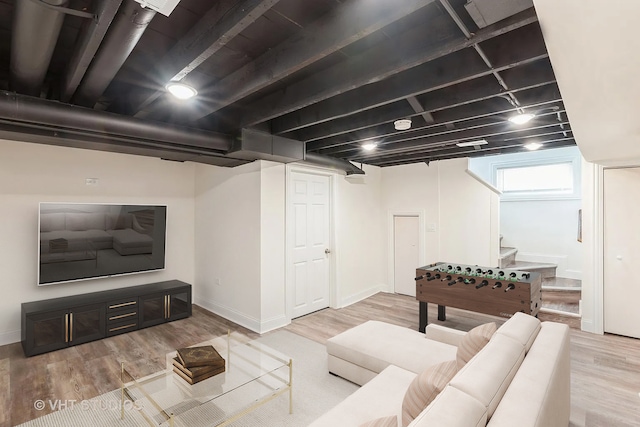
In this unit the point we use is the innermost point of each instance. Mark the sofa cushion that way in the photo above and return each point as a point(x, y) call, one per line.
point(522, 328)
point(473, 342)
point(375, 345)
point(51, 222)
point(539, 394)
point(391, 421)
point(452, 408)
point(425, 387)
point(380, 397)
point(488, 374)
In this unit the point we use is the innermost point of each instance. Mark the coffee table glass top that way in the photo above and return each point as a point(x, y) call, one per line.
point(254, 373)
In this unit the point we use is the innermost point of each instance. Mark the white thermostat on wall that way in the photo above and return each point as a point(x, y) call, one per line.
point(165, 7)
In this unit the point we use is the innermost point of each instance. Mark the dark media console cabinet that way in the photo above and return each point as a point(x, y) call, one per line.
point(63, 322)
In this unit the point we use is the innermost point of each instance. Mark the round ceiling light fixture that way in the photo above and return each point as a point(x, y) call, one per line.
point(402, 124)
point(369, 146)
point(531, 146)
point(181, 90)
point(522, 118)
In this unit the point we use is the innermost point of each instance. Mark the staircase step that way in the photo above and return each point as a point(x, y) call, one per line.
point(507, 257)
point(546, 270)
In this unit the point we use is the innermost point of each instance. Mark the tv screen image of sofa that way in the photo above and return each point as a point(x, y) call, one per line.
point(80, 241)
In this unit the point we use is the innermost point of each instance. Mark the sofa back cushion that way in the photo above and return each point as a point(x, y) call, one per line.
point(119, 222)
point(452, 408)
point(522, 328)
point(51, 222)
point(487, 376)
point(473, 342)
point(539, 394)
point(425, 387)
point(390, 421)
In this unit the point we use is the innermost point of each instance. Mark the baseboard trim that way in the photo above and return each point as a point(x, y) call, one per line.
point(231, 314)
point(273, 323)
point(563, 313)
point(10, 337)
point(352, 299)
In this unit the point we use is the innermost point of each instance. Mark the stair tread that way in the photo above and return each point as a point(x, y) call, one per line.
point(518, 265)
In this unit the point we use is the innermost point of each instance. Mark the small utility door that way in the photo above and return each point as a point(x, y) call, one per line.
point(406, 253)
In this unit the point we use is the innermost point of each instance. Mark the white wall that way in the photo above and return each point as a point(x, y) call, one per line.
point(227, 242)
point(461, 211)
point(31, 173)
point(359, 236)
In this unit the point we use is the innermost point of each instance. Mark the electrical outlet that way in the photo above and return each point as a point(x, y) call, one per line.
point(431, 227)
point(218, 282)
point(91, 181)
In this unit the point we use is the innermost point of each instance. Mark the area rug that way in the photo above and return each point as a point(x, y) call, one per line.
point(314, 392)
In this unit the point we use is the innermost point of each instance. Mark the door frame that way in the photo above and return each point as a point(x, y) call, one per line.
point(420, 213)
point(309, 170)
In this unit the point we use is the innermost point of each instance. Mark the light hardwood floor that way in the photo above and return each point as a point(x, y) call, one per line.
point(605, 369)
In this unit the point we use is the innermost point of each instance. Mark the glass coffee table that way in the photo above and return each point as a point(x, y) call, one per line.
point(254, 375)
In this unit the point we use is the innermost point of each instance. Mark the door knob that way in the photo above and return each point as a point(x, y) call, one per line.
point(327, 251)
point(619, 257)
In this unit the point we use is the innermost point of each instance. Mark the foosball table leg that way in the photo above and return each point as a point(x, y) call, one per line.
point(422, 324)
point(442, 312)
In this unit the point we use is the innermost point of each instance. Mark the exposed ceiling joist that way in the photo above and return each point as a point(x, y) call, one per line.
point(377, 67)
point(224, 21)
point(329, 34)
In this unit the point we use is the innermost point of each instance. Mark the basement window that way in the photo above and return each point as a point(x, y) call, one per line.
point(537, 181)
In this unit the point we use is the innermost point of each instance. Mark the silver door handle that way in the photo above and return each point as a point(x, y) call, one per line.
point(327, 251)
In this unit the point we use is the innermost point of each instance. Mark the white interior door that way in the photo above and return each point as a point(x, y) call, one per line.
point(406, 253)
point(621, 251)
point(310, 243)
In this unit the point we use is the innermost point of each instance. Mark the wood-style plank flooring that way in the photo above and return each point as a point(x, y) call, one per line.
point(605, 369)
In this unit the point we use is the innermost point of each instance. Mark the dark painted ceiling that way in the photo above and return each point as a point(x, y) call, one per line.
point(334, 74)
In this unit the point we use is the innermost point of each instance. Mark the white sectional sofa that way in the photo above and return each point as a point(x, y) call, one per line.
point(521, 377)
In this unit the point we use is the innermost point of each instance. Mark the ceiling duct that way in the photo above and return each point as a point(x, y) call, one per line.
point(126, 29)
point(35, 113)
point(254, 145)
point(333, 163)
point(35, 33)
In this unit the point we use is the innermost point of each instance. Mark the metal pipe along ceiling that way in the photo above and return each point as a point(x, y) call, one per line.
point(123, 35)
point(30, 111)
point(33, 39)
point(332, 162)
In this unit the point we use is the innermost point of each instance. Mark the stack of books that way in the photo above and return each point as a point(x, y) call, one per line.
point(195, 364)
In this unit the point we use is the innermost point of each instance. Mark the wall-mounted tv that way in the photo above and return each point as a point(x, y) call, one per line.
point(80, 241)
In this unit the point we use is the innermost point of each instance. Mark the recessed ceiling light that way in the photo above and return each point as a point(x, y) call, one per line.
point(402, 124)
point(369, 146)
point(521, 119)
point(472, 143)
point(532, 146)
point(181, 90)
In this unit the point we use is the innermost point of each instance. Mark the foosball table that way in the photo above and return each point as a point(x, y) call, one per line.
point(494, 291)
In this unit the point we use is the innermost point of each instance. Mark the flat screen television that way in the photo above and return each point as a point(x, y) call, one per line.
point(81, 241)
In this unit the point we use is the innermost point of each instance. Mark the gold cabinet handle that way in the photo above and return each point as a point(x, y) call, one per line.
point(66, 327)
point(169, 303)
point(71, 327)
point(122, 327)
point(124, 304)
point(123, 316)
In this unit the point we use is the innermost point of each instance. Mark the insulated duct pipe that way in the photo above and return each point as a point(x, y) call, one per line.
point(39, 113)
point(35, 33)
point(126, 29)
point(332, 162)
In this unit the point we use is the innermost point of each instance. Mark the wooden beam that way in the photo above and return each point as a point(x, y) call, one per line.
point(449, 97)
point(225, 20)
point(470, 152)
point(418, 108)
point(380, 62)
point(449, 116)
point(440, 141)
point(325, 36)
